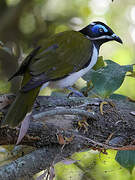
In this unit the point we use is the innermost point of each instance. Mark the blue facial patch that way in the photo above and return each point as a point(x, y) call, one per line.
point(95, 29)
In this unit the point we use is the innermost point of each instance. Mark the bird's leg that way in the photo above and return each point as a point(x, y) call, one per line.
point(81, 123)
point(76, 92)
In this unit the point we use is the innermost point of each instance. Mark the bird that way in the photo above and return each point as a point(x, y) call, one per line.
point(58, 62)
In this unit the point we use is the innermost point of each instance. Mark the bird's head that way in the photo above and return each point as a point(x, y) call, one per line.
point(100, 32)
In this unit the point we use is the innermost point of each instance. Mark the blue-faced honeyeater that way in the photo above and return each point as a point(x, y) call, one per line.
point(59, 62)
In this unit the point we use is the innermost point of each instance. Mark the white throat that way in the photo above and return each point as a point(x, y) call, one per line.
point(72, 78)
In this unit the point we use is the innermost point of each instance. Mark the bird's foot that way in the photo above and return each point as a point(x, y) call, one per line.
point(74, 91)
point(101, 106)
point(82, 124)
point(105, 103)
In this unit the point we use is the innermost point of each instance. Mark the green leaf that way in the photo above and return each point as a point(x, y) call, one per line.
point(107, 79)
point(99, 64)
point(126, 159)
point(119, 97)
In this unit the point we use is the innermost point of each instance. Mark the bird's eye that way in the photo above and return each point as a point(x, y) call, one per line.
point(101, 30)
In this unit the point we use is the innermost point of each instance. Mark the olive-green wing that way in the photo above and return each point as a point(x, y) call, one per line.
point(59, 56)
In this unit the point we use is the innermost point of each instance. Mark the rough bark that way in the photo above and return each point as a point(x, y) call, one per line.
point(55, 133)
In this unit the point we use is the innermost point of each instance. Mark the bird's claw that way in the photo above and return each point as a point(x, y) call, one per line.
point(105, 103)
point(101, 106)
point(83, 124)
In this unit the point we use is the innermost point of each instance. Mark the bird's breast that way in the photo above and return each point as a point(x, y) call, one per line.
point(72, 78)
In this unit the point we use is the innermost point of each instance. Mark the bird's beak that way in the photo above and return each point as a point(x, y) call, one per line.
point(116, 38)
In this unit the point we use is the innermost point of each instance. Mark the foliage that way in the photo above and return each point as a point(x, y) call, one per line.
point(107, 79)
point(126, 159)
point(92, 165)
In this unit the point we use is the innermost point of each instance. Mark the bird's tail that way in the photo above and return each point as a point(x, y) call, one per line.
point(20, 107)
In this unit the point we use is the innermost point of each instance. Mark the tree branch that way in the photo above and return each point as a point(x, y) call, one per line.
point(55, 127)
